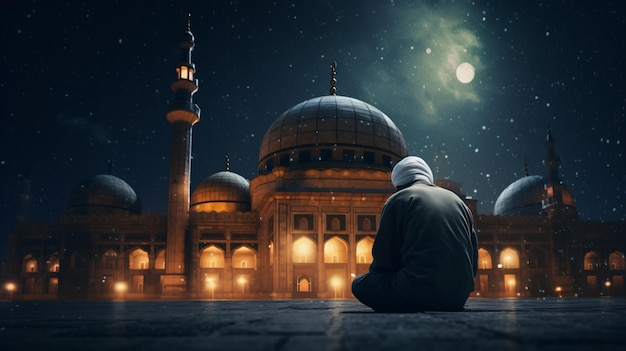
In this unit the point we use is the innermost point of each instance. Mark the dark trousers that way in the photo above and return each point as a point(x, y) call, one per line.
point(380, 292)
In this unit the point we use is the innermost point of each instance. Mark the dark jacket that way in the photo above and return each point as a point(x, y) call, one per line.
point(426, 236)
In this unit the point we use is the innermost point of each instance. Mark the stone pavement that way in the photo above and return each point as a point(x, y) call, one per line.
point(486, 324)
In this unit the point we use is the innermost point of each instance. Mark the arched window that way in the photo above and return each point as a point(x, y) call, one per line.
point(304, 250)
point(159, 262)
point(509, 259)
point(335, 251)
point(304, 283)
point(616, 261)
point(244, 257)
point(212, 257)
point(591, 261)
point(303, 223)
point(366, 225)
point(364, 250)
point(484, 259)
point(335, 224)
point(29, 264)
point(138, 259)
point(536, 259)
point(54, 262)
point(109, 259)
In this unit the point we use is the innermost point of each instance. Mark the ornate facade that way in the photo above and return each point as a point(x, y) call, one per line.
point(302, 228)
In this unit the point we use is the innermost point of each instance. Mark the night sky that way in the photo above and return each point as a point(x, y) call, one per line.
point(83, 83)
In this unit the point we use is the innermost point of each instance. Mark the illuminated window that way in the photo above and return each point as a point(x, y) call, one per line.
point(212, 257)
point(30, 264)
point(510, 283)
point(335, 251)
point(616, 261)
point(138, 259)
point(364, 250)
point(304, 250)
point(271, 247)
point(53, 262)
point(484, 259)
point(509, 259)
point(303, 283)
point(185, 72)
point(160, 260)
point(244, 257)
point(591, 261)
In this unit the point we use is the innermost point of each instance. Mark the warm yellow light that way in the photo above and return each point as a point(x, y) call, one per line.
point(511, 282)
point(558, 289)
point(335, 282)
point(183, 72)
point(242, 280)
point(120, 287)
point(607, 283)
point(10, 287)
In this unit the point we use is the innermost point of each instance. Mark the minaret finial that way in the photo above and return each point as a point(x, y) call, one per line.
point(228, 162)
point(333, 78)
point(189, 22)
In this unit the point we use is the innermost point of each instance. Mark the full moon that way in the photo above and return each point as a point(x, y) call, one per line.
point(465, 73)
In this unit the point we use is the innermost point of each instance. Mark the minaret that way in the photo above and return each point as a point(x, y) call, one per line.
point(562, 214)
point(183, 114)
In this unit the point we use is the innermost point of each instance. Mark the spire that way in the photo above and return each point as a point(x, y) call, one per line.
point(333, 78)
point(189, 22)
point(227, 162)
point(552, 161)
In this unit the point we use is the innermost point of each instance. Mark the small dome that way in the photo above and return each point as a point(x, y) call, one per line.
point(222, 192)
point(332, 130)
point(103, 194)
point(522, 198)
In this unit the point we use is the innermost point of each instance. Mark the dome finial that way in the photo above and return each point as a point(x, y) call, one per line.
point(189, 22)
point(333, 78)
point(227, 162)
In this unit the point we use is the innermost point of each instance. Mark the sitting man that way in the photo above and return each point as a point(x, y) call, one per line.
point(425, 252)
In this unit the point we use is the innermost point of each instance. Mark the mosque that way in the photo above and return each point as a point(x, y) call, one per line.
point(302, 228)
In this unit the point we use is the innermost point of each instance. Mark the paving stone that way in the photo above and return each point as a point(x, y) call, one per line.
point(503, 324)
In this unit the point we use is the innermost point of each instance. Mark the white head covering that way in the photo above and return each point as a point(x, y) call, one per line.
point(410, 169)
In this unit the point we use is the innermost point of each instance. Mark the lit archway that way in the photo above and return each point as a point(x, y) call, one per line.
point(159, 261)
point(138, 259)
point(364, 250)
point(244, 257)
point(335, 251)
point(29, 264)
point(591, 261)
point(509, 259)
point(616, 261)
point(484, 259)
point(212, 257)
point(304, 283)
point(304, 250)
point(54, 262)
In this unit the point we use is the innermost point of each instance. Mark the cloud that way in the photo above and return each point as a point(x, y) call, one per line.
point(421, 52)
point(91, 130)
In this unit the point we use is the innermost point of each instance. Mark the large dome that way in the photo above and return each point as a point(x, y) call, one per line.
point(522, 198)
point(222, 192)
point(103, 194)
point(331, 130)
